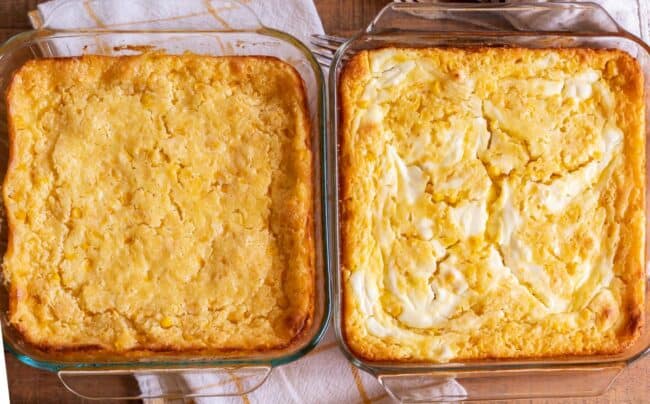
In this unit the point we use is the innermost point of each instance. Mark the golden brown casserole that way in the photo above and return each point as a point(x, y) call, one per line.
point(159, 202)
point(492, 203)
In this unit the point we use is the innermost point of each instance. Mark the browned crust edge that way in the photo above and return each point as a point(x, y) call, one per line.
point(299, 324)
point(355, 69)
point(303, 323)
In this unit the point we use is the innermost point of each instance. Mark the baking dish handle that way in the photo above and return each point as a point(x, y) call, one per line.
point(511, 18)
point(506, 384)
point(170, 383)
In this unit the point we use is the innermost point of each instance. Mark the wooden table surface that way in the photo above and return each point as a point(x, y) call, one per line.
point(343, 17)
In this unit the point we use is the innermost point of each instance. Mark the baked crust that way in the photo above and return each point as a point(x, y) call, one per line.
point(159, 203)
point(497, 247)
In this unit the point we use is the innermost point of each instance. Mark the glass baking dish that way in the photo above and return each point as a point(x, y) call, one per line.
point(240, 33)
point(531, 25)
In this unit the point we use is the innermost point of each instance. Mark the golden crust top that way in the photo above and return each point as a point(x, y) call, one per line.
point(492, 203)
point(159, 202)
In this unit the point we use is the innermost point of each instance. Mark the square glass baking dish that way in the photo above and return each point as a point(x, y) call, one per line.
point(238, 33)
point(530, 25)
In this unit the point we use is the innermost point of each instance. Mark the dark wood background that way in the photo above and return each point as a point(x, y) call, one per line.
point(341, 17)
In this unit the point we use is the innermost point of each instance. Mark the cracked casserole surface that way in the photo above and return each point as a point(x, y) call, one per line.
point(492, 203)
point(159, 202)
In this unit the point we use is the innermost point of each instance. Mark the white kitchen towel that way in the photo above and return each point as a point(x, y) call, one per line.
point(297, 17)
point(324, 375)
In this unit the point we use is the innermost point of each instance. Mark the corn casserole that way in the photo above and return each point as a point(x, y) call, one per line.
point(492, 203)
point(159, 203)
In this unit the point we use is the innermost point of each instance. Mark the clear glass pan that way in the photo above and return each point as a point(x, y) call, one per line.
point(248, 37)
point(531, 25)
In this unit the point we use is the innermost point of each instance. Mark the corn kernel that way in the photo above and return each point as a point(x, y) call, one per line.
point(437, 88)
point(611, 69)
point(21, 215)
point(166, 322)
point(40, 180)
point(76, 213)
